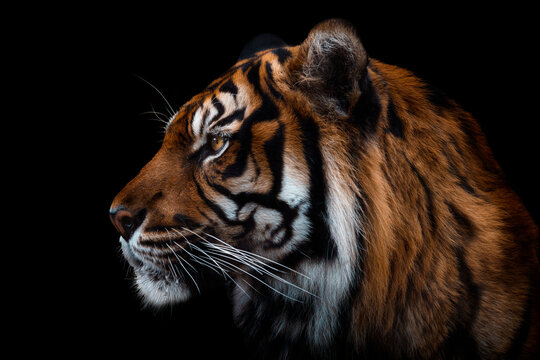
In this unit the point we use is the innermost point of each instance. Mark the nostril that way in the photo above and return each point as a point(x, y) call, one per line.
point(125, 222)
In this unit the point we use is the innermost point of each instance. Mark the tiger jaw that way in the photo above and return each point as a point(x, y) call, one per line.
point(157, 285)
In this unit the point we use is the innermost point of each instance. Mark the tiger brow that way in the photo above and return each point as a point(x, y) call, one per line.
point(216, 104)
point(237, 114)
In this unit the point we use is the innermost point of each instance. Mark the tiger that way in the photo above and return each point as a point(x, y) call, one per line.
point(351, 210)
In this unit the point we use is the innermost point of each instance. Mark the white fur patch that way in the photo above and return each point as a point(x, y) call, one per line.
point(160, 292)
point(196, 123)
point(343, 217)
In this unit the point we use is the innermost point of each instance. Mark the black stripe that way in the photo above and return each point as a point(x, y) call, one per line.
point(185, 220)
point(274, 154)
point(475, 139)
point(266, 112)
point(269, 201)
point(462, 180)
point(155, 197)
point(238, 114)
point(438, 98)
point(390, 165)
point(366, 112)
point(282, 53)
point(270, 82)
point(215, 208)
point(219, 108)
point(229, 87)
point(465, 185)
point(395, 125)
point(321, 243)
point(460, 342)
point(464, 225)
point(430, 208)
point(257, 167)
point(208, 219)
point(417, 270)
point(188, 129)
point(381, 79)
point(472, 290)
point(253, 75)
point(520, 337)
point(243, 137)
point(183, 139)
point(247, 65)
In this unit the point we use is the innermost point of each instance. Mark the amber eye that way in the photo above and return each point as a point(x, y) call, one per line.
point(217, 142)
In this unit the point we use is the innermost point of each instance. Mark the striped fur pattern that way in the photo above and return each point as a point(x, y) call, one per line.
point(354, 211)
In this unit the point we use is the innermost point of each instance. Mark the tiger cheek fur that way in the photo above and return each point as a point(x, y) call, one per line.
point(354, 211)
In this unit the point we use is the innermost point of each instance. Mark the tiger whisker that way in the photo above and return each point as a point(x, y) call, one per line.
point(204, 263)
point(245, 256)
point(223, 272)
point(158, 115)
point(250, 254)
point(251, 286)
point(253, 276)
point(159, 118)
point(264, 283)
point(219, 253)
point(174, 253)
point(258, 269)
point(221, 267)
point(160, 93)
point(244, 260)
point(180, 261)
point(185, 269)
point(261, 270)
point(173, 271)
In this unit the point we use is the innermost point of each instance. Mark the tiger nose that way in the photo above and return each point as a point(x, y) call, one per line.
point(125, 221)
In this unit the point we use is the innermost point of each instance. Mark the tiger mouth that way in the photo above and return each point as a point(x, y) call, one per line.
point(152, 263)
point(153, 249)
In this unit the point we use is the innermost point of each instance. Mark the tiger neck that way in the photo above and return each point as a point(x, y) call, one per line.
point(307, 319)
point(316, 308)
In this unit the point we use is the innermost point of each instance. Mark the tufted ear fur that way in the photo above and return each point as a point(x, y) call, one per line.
point(329, 66)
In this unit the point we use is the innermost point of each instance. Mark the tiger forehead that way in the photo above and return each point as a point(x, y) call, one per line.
point(230, 97)
point(223, 105)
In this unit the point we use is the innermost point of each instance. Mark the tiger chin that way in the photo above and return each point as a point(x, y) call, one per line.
point(353, 210)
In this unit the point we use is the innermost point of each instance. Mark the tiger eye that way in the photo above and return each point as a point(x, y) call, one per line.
point(217, 142)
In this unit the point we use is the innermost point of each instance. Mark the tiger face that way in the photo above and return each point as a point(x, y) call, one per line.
point(352, 209)
point(231, 182)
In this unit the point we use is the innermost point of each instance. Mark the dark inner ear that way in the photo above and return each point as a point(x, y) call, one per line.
point(259, 43)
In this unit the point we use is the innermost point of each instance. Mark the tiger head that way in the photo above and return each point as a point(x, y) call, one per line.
point(240, 173)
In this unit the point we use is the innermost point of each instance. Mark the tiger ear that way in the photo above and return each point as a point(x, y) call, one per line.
point(329, 66)
point(259, 43)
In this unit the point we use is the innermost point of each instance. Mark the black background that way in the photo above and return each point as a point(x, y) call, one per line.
point(82, 68)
